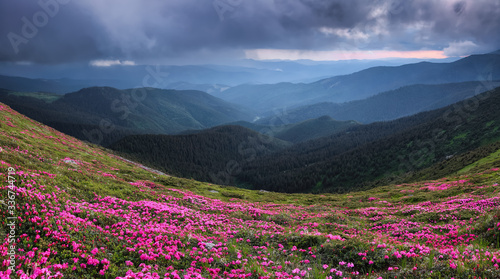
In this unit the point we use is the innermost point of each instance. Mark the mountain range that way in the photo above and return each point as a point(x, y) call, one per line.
point(73, 77)
point(363, 84)
point(388, 105)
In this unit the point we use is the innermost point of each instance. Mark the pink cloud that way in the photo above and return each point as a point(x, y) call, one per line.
point(334, 55)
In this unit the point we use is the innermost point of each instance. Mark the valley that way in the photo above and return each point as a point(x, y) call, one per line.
point(322, 147)
point(276, 139)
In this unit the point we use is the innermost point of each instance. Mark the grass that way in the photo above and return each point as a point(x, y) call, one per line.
point(46, 97)
point(487, 162)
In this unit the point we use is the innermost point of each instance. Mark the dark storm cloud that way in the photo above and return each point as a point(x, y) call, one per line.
point(29, 33)
point(176, 29)
point(451, 20)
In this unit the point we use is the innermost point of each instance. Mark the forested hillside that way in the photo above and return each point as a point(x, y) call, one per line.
point(449, 131)
point(202, 156)
point(358, 157)
point(299, 132)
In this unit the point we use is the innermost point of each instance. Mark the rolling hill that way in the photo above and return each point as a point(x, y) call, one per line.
point(108, 110)
point(59, 86)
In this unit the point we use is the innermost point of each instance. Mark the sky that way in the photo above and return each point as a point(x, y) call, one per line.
point(131, 32)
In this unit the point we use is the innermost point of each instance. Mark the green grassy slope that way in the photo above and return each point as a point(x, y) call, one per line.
point(484, 157)
point(46, 97)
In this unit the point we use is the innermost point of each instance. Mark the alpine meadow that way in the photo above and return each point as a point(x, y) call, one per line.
point(257, 139)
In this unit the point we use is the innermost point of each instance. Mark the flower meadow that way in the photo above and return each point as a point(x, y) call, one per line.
point(77, 211)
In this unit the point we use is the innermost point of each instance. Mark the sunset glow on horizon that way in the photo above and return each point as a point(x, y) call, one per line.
point(335, 55)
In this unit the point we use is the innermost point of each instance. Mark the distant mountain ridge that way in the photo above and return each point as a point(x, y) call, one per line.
point(59, 86)
point(385, 106)
point(363, 84)
point(167, 76)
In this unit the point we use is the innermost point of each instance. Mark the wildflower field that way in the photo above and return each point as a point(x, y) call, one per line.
point(72, 210)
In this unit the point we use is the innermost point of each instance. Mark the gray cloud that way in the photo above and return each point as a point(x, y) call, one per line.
point(29, 33)
point(187, 30)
